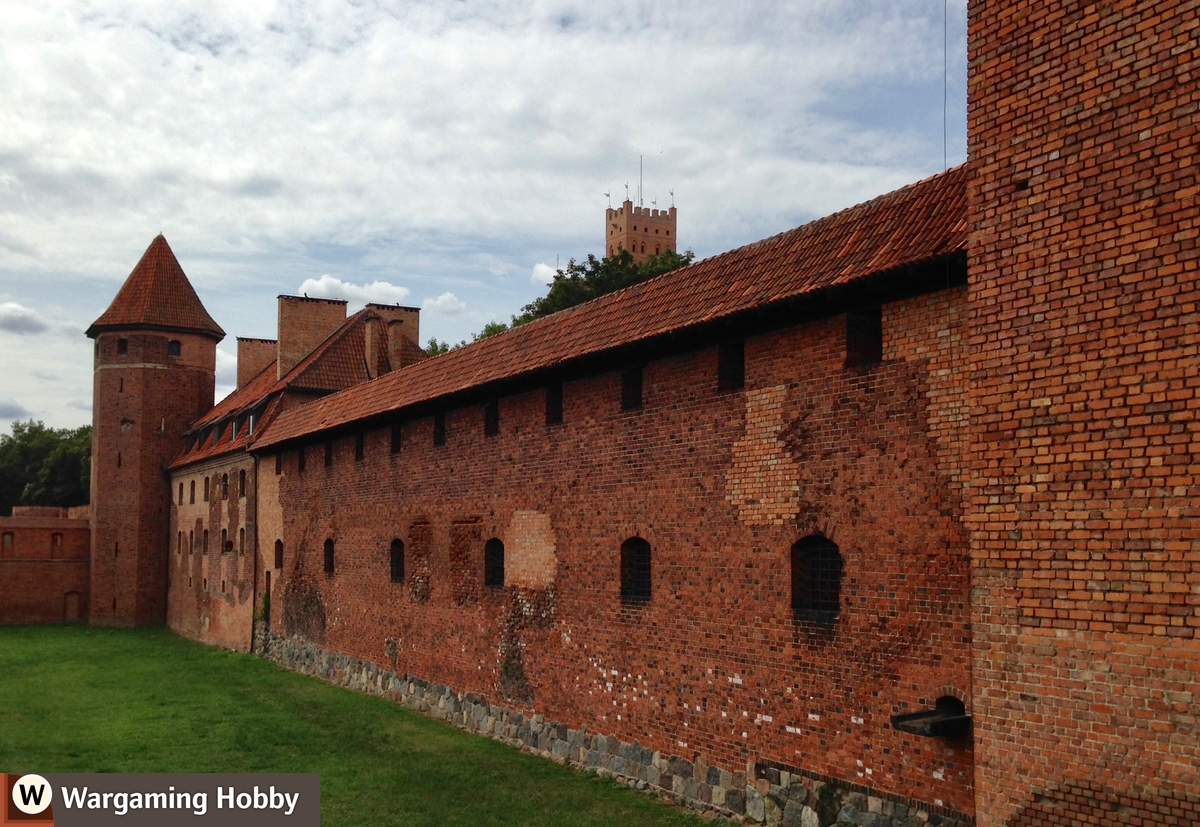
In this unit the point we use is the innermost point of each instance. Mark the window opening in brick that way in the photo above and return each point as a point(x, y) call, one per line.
point(491, 418)
point(181, 493)
point(206, 484)
point(329, 556)
point(241, 542)
point(174, 348)
point(328, 453)
point(439, 429)
point(122, 347)
point(396, 438)
point(118, 459)
point(816, 579)
point(864, 337)
point(242, 483)
point(279, 554)
point(397, 561)
point(226, 546)
point(8, 539)
point(56, 540)
point(631, 389)
point(192, 492)
point(278, 464)
point(116, 549)
point(731, 367)
point(358, 446)
point(635, 571)
point(204, 542)
point(300, 459)
point(120, 386)
point(493, 563)
point(224, 486)
point(554, 404)
point(179, 543)
point(191, 542)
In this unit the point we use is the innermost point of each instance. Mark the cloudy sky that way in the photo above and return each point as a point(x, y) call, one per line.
point(440, 154)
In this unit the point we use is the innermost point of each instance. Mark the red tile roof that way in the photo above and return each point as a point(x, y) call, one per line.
point(157, 295)
point(914, 224)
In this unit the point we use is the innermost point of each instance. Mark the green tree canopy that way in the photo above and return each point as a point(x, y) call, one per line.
point(579, 282)
point(44, 466)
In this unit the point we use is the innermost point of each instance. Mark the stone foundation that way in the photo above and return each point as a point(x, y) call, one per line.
point(766, 793)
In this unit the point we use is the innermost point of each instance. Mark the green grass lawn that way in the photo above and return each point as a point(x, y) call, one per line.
point(78, 699)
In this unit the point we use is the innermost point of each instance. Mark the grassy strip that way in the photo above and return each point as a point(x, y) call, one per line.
point(78, 699)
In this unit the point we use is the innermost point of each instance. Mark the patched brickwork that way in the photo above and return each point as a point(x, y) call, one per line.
point(44, 571)
point(715, 666)
point(1084, 433)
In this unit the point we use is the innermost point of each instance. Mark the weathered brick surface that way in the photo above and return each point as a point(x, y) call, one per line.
point(715, 667)
point(1084, 435)
point(43, 567)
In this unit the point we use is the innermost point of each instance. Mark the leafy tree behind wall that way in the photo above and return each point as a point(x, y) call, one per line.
point(44, 466)
point(579, 282)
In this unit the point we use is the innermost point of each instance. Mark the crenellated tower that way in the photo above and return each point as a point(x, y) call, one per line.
point(643, 232)
point(154, 374)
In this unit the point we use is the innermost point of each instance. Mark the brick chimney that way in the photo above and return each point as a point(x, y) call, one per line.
point(252, 356)
point(303, 324)
point(401, 322)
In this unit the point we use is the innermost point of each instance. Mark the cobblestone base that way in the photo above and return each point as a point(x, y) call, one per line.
point(768, 794)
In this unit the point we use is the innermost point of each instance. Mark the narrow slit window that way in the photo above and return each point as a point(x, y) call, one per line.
point(864, 337)
point(204, 542)
point(207, 482)
point(224, 486)
point(631, 389)
point(493, 563)
point(731, 367)
point(358, 446)
point(635, 571)
point(242, 483)
point(179, 543)
point(397, 561)
point(192, 492)
point(181, 493)
point(279, 554)
point(439, 429)
point(300, 459)
point(396, 438)
point(191, 542)
point(817, 567)
point(225, 544)
point(278, 464)
point(328, 453)
point(329, 556)
point(491, 418)
point(241, 542)
point(554, 404)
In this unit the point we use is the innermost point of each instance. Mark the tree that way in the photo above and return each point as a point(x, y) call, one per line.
point(44, 466)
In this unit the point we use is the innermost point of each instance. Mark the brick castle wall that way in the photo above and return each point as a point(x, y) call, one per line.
point(715, 667)
point(43, 566)
point(1084, 435)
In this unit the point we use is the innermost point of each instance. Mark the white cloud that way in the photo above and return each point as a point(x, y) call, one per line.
point(18, 319)
point(328, 287)
point(543, 274)
point(226, 373)
point(446, 304)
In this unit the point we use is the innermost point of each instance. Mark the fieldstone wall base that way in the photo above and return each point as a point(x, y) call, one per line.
point(772, 796)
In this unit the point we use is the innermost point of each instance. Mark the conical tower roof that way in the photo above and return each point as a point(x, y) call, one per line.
point(157, 296)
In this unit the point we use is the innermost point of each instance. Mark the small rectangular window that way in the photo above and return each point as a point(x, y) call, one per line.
point(554, 404)
point(731, 366)
point(396, 438)
point(864, 337)
point(181, 493)
point(631, 389)
point(279, 463)
point(300, 459)
point(242, 483)
point(328, 453)
point(122, 347)
point(491, 418)
point(358, 446)
point(439, 429)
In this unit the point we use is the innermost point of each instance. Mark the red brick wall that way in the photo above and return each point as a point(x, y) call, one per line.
point(143, 401)
point(1083, 317)
point(721, 485)
point(43, 569)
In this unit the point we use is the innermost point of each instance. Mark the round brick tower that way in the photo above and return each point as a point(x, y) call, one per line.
point(155, 373)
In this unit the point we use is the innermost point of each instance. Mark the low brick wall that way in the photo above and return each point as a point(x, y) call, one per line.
point(768, 794)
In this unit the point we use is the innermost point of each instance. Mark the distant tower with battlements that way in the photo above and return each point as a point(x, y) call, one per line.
point(643, 232)
point(155, 371)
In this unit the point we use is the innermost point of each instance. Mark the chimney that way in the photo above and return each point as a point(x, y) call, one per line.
point(303, 324)
point(401, 322)
point(253, 355)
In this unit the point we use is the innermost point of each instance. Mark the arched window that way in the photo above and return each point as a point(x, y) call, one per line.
point(224, 486)
point(192, 496)
point(493, 563)
point(56, 540)
point(8, 540)
point(397, 561)
point(242, 483)
point(241, 541)
point(206, 489)
point(181, 493)
point(635, 571)
point(174, 348)
point(204, 542)
point(279, 554)
point(225, 544)
point(191, 542)
point(329, 556)
point(816, 578)
point(179, 543)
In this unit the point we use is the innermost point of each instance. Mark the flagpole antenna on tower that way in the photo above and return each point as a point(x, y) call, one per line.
point(608, 195)
point(640, 180)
